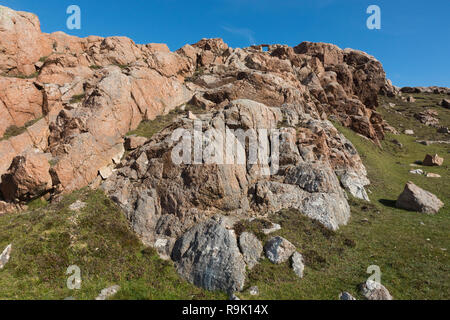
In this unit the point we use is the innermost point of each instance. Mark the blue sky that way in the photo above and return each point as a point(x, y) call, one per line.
point(413, 43)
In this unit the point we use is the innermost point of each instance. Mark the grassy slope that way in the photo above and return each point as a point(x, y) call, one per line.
point(412, 266)
point(46, 241)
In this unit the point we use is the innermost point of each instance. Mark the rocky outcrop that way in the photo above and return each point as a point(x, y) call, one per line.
point(208, 256)
point(432, 89)
point(414, 198)
point(107, 293)
point(92, 91)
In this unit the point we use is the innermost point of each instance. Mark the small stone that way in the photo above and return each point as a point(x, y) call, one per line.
point(275, 227)
point(4, 257)
point(346, 296)
point(278, 249)
point(409, 132)
point(396, 142)
point(432, 175)
point(416, 171)
point(77, 205)
point(108, 292)
point(373, 290)
point(191, 116)
point(298, 264)
point(232, 296)
point(134, 142)
point(443, 130)
point(254, 291)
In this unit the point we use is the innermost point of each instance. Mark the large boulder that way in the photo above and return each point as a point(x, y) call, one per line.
point(208, 256)
point(28, 177)
point(414, 198)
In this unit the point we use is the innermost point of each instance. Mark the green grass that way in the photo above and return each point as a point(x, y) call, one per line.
point(47, 239)
point(21, 76)
point(148, 128)
point(404, 117)
point(77, 98)
point(14, 130)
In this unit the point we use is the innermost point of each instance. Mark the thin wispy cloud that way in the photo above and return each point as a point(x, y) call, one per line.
point(243, 32)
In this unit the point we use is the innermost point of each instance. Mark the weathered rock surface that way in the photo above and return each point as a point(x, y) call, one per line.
point(414, 198)
point(251, 248)
point(279, 250)
point(133, 142)
point(5, 255)
point(208, 256)
point(373, 290)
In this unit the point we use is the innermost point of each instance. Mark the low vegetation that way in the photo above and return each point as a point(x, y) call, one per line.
point(148, 128)
point(48, 238)
point(77, 98)
point(14, 130)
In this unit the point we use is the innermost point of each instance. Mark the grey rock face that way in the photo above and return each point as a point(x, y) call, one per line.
point(4, 257)
point(278, 249)
point(208, 256)
point(251, 248)
point(298, 264)
point(108, 292)
point(373, 290)
point(414, 198)
point(346, 296)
